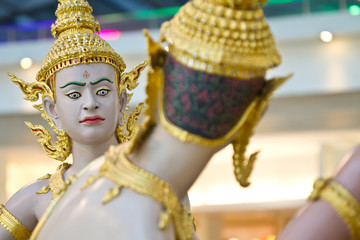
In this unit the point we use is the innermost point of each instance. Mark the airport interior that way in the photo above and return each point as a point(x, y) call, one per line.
point(312, 121)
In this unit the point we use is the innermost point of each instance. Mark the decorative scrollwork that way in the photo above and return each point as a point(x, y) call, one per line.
point(62, 147)
point(33, 89)
point(243, 166)
point(130, 79)
point(131, 124)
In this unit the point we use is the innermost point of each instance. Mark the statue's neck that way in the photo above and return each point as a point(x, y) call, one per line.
point(83, 154)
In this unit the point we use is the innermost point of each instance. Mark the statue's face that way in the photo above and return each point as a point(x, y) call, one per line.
point(87, 105)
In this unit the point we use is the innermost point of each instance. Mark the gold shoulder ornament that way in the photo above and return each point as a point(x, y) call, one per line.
point(57, 183)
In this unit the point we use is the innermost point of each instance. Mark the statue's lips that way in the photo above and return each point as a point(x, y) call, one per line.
point(92, 120)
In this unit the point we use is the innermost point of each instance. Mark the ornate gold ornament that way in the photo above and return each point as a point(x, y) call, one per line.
point(230, 38)
point(130, 80)
point(130, 124)
point(75, 43)
point(57, 183)
point(341, 200)
point(62, 148)
point(243, 166)
point(12, 225)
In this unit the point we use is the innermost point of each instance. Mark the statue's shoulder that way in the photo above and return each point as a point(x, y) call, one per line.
point(29, 192)
point(26, 204)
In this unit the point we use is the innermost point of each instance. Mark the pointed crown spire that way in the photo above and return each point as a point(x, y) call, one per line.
point(74, 16)
point(75, 42)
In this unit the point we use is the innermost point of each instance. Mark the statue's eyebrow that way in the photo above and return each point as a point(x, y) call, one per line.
point(74, 83)
point(100, 80)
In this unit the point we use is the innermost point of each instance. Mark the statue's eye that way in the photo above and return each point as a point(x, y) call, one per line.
point(102, 92)
point(74, 95)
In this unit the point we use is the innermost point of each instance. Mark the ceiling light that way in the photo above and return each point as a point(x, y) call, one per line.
point(26, 63)
point(354, 10)
point(326, 36)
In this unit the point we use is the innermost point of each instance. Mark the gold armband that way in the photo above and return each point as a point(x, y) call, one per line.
point(341, 200)
point(12, 225)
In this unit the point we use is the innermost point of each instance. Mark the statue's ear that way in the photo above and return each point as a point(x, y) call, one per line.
point(123, 100)
point(49, 107)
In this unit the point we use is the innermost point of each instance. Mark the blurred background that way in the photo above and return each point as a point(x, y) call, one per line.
point(313, 120)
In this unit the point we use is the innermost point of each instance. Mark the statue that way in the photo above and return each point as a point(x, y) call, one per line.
point(207, 91)
point(84, 100)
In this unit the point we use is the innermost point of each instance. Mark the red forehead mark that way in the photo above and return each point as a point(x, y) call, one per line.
point(86, 74)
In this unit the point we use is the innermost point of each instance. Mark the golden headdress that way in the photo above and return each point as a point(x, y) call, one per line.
point(75, 43)
point(225, 37)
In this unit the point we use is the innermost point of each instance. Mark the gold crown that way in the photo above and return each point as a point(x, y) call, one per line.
point(225, 37)
point(76, 42)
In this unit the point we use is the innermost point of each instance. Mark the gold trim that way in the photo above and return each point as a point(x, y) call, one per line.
point(342, 201)
point(12, 225)
point(242, 165)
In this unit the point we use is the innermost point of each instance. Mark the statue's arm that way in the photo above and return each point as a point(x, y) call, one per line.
point(18, 216)
point(318, 219)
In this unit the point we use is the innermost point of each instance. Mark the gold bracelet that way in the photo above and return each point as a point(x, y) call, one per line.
point(12, 225)
point(341, 200)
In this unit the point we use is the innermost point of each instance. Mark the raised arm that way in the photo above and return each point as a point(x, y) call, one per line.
point(334, 214)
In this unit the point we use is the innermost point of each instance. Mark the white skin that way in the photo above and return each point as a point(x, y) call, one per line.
point(89, 109)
